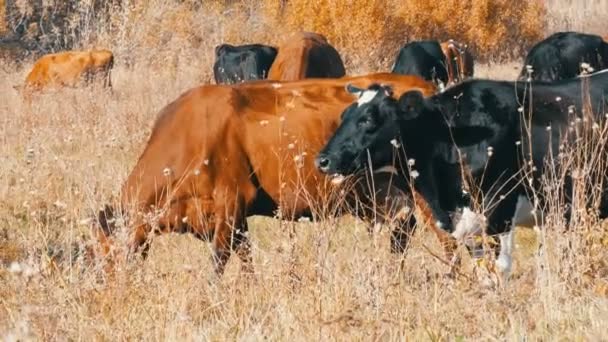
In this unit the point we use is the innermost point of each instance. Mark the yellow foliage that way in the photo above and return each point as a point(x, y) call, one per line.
point(496, 29)
point(493, 28)
point(3, 23)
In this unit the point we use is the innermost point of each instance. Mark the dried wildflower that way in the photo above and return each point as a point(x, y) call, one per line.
point(337, 179)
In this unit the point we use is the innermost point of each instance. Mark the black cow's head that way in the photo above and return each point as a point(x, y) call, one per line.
point(369, 131)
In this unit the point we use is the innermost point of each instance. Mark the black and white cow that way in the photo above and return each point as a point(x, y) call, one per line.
point(422, 58)
point(478, 122)
point(235, 64)
point(560, 56)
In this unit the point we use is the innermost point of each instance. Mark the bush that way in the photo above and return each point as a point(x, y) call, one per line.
point(367, 34)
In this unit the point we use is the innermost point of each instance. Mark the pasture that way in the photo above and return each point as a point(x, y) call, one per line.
point(67, 153)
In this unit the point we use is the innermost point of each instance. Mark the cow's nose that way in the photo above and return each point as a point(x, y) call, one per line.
point(322, 163)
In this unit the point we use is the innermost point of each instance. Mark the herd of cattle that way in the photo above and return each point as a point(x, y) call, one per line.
point(281, 147)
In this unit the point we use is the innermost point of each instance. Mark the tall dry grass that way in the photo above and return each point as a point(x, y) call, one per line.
point(68, 154)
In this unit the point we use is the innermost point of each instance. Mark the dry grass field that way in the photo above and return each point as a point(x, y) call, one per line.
point(67, 154)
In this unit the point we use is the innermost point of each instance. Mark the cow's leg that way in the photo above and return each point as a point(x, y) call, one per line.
point(504, 260)
point(401, 234)
point(502, 222)
point(139, 243)
point(230, 217)
point(242, 245)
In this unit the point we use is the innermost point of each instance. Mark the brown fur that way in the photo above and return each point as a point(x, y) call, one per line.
point(71, 69)
point(306, 55)
point(198, 162)
point(459, 61)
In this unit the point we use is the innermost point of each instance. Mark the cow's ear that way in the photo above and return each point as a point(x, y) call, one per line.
point(410, 104)
point(219, 48)
point(351, 89)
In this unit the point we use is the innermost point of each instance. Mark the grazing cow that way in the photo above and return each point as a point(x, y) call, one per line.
point(306, 55)
point(234, 64)
point(459, 61)
point(71, 68)
point(219, 154)
point(424, 59)
point(561, 54)
point(480, 121)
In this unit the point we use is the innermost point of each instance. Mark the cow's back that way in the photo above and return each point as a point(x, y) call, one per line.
point(422, 58)
point(58, 69)
point(560, 55)
point(236, 64)
point(68, 68)
point(306, 55)
point(262, 135)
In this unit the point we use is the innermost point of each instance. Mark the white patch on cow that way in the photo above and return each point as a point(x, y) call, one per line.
point(366, 97)
point(441, 86)
point(470, 224)
point(504, 262)
point(276, 85)
point(387, 169)
point(395, 143)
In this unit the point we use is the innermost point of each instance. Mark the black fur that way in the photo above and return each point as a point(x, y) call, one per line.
point(422, 58)
point(560, 55)
point(464, 122)
point(235, 64)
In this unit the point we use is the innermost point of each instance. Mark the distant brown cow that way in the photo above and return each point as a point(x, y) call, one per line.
point(459, 61)
point(306, 55)
point(72, 68)
point(219, 154)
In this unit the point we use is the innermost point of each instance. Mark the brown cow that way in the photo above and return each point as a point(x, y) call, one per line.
point(71, 69)
point(306, 55)
point(459, 61)
point(219, 154)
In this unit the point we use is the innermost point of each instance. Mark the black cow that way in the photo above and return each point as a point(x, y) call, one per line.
point(234, 64)
point(479, 121)
point(560, 56)
point(422, 58)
